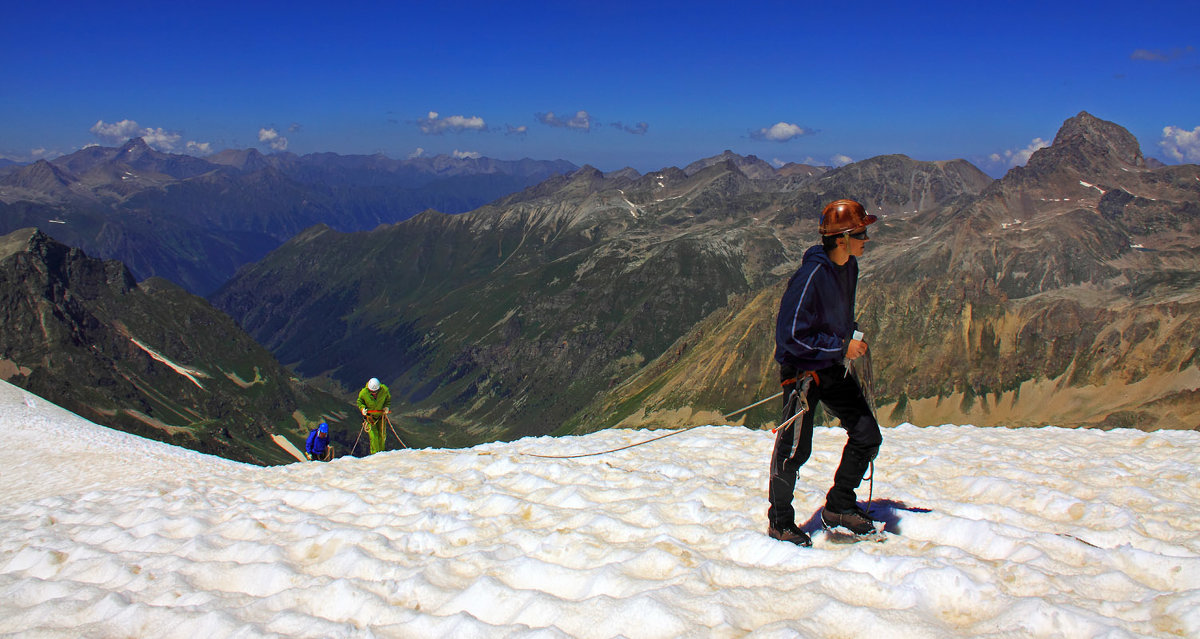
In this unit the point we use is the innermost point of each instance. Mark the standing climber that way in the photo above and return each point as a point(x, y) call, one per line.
point(375, 402)
point(815, 335)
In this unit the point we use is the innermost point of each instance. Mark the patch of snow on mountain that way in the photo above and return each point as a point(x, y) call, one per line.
point(189, 373)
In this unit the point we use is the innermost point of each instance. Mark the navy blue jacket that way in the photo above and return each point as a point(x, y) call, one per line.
point(315, 445)
point(816, 314)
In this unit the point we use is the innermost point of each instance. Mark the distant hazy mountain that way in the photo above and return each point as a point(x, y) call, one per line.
point(534, 313)
point(146, 358)
point(196, 220)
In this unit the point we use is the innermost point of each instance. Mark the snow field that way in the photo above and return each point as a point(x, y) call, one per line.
point(1027, 532)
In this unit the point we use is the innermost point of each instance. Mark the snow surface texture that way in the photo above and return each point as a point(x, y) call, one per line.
point(1033, 532)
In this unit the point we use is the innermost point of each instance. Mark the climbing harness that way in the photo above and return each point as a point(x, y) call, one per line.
point(365, 428)
point(362, 430)
point(800, 396)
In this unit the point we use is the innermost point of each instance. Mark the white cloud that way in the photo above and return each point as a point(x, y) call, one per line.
point(117, 132)
point(581, 122)
point(416, 154)
point(271, 138)
point(157, 138)
point(466, 155)
point(435, 125)
point(160, 139)
point(1018, 157)
point(1181, 145)
point(517, 130)
point(838, 159)
point(780, 132)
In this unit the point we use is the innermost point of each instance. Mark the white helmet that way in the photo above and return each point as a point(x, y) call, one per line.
point(373, 385)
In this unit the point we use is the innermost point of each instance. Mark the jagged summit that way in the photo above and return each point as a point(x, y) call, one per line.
point(627, 173)
point(1088, 145)
point(1100, 133)
point(751, 166)
point(897, 184)
point(64, 267)
point(134, 146)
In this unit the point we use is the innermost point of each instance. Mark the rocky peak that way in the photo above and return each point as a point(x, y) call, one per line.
point(587, 177)
point(1100, 133)
point(132, 149)
point(751, 166)
point(66, 267)
point(728, 176)
point(39, 176)
point(1089, 145)
point(897, 184)
point(627, 173)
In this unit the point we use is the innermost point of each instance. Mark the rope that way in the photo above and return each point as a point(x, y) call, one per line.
point(354, 448)
point(678, 432)
point(389, 423)
point(862, 370)
point(871, 491)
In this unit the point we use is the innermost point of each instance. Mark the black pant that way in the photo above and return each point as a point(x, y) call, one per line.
point(841, 396)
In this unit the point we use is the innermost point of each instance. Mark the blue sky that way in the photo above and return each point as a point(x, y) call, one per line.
point(646, 85)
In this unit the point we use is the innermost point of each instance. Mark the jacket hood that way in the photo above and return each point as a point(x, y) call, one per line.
point(816, 253)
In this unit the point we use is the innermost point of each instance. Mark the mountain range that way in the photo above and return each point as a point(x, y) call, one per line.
point(1064, 293)
point(195, 220)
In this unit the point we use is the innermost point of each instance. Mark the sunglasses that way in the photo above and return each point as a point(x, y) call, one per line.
point(861, 235)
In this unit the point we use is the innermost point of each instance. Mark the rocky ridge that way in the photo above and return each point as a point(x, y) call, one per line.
point(146, 358)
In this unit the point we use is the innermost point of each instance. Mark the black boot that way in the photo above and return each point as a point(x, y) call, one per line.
point(790, 534)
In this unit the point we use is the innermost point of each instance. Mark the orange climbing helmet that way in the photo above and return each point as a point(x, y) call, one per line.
point(843, 216)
